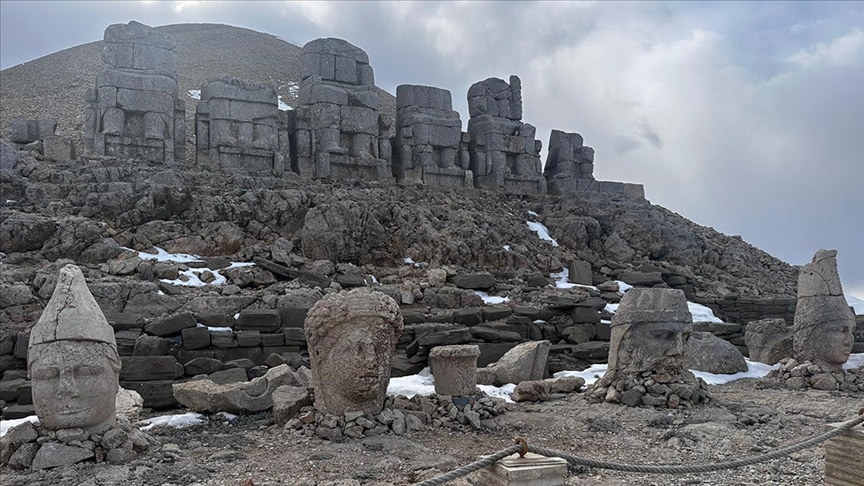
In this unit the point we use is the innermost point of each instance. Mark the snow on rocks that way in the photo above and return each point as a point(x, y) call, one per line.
point(542, 232)
point(177, 421)
point(491, 299)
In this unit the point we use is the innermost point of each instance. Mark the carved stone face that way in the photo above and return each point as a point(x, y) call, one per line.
point(834, 344)
point(352, 337)
point(358, 365)
point(647, 346)
point(75, 384)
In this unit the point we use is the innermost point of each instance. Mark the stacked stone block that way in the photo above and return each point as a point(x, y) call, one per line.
point(570, 168)
point(429, 146)
point(338, 125)
point(134, 111)
point(504, 154)
point(238, 125)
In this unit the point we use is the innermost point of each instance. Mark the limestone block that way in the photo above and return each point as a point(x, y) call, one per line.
point(525, 362)
point(707, 352)
point(346, 70)
point(355, 119)
point(454, 369)
point(251, 396)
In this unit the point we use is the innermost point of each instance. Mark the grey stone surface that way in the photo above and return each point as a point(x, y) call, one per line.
point(73, 359)
point(707, 352)
point(27, 131)
point(263, 320)
point(195, 337)
point(428, 148)
point(524, 362)
point(568, 158)
point(144, 368)
point(473, 281)
point(150, 346)
point(60, 149)
point(171, 325)
point(250, 396)
point(768, 340)
point(580, 272)
point(238, 126)
point(203, 366)
point(455, 369)
point(504, 155)
point(352, 338)
point(8, 156)
point(52, 454)
point(287, 402)
point(824, 322)
point(339, 132)
point(134, 110)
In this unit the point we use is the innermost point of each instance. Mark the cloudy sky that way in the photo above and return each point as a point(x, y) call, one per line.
point(747, 117)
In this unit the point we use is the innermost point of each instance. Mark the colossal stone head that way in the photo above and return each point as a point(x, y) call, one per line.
point(352, 337)
point(823, 321)
point(72, 359)
point(649, 330)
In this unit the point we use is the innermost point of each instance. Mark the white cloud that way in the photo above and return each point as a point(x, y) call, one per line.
point(842, 51)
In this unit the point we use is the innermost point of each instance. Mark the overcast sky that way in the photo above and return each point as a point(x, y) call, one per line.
point(747, 117)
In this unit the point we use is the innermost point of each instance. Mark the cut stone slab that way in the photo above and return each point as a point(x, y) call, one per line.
point(525, 362)
point(473, 281)
point(263, 320)
point(155, 394)
point(251, 396)
point(203, 366)
point(196, 338)
point(146, 368)
point(171, 325)
point(52, 454)
point(533, 469)
point(707, 352)
point(224, 377)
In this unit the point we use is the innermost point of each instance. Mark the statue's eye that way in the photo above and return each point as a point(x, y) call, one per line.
point(46, 373)
point(85, 370)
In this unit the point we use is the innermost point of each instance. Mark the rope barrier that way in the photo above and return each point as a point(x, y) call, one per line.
point(640, 468)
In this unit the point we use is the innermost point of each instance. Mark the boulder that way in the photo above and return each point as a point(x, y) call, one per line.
point(128, 404)
point(171, 325)
point(525, 362)
point(52, 454)
point(473, 281)
point(531, 391)
point(768, 340)
point(251, 396)
point(707, 352)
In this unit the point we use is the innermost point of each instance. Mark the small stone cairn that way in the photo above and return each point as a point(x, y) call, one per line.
point(646, 353)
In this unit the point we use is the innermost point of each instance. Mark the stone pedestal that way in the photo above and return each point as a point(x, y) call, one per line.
point(455, 369)
point(532, 470)
point(844, 457)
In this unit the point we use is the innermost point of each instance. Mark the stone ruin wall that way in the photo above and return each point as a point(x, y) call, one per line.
point(336, 133)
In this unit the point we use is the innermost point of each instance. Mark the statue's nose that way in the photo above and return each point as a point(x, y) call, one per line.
point(68, 387)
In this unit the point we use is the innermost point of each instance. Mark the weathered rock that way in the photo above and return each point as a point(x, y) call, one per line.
point(823, 320)
point(530, 391)
point(352, 338)
point(768, 340)
point(73, 360)
point(195, 337)
point(707, 352)
point(251, 396)
point(23, 457)
point(144, 368)
point(203, 366)
point(473, 281)
point(150, 346)
point(52, 454)
point(287, 402)
point(232, 375)
point(128, 404)
point(525, 362)
point(171, 325)
point(454, 369)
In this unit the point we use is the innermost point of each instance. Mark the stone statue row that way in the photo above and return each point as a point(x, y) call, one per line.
point(336, 132)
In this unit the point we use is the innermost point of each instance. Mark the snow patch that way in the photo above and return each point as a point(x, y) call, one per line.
point(163, 256)
point(284, 106)
point(410, 261)
point(542, 232)
point(755, 369)
point(507, 247)
point(423, 384)
point(491, 299)
point(623, 286)
point(178, 421)
point(195, 94)
point(611, 308)
point(227, 416)
point(6, 425)
point(215, 329)
point(701, 313)
point(532, 213)
point(856, 360)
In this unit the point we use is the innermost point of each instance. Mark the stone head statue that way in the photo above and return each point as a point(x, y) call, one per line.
point(72, 359)
point(649, 330)
point(352, 337)
point(823, 321)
